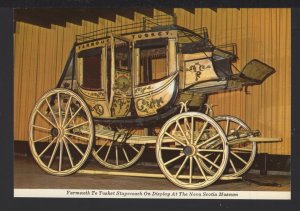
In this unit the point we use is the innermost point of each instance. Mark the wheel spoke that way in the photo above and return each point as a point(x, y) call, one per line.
point(74, 145)
point(48, 146)
point(42, 128)
point(59, 108)
point(227, 126)
point(238, 157)
point(175, 139)
point(117, 155)
point(217, 158)
point(72, 134)
point(210, 150)
point(192, 130)
point(231, 163)
point(191, 169)
point(125, 154)
point(173, 159)
point(42, 138)
point(51, 111)
point(46, 118)
point(75, 126)
point(68, 152)
point(186, 123)
point(209, 154)
point(171, 148)
point(135, 149)
point(181, 130)
point(67, 110)
point(208, 140)
point(60, 156)
point(209, 161)
point(72, 117)
point(71, 112)
point(201, 133)
point(107, 153)
point(182, 165)
point(53, 154)
point(200, 167)
point(102, 147)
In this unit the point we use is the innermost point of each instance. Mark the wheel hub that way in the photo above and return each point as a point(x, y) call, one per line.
point(54, 132)
point(57, 132)
point(189, 150)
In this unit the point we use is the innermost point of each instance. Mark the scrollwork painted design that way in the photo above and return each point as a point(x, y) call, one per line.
point(198, 68)
point(120, 107)
point(144, 105)
point(142, 90)
point(98, 109)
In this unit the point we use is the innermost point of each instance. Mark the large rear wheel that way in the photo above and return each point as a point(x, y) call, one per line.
point(55, 140)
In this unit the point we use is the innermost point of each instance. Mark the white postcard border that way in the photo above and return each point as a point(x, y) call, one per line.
point(151, 194)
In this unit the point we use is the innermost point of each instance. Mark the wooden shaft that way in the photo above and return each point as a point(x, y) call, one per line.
point(263, 139)
point(147, 175)
point(254, 139)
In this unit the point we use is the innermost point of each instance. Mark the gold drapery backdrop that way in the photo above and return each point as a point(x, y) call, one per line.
point(265, 34)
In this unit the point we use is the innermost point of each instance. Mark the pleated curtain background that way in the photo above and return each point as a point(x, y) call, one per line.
point(265, 34)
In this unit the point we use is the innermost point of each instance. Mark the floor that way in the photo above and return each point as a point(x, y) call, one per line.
point(27, 174)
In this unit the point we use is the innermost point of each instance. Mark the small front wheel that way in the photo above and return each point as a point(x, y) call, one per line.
point(185, 147)
point(117, 155)
point(241, 155)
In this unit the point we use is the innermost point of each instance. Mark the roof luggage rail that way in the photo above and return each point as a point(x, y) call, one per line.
point(202, 31)
point(144, 25)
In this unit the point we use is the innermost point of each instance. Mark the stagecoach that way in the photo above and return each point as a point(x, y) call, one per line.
point(147, 84)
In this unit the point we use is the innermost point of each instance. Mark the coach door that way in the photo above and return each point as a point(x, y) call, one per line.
point(119, 85)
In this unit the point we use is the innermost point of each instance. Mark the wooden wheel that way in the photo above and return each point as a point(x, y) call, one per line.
point(241, 156)
point(54, 132)
point(116, 154)
point(184, 147)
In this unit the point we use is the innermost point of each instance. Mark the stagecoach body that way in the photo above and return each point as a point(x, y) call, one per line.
point(142, 74)
point(156, 75)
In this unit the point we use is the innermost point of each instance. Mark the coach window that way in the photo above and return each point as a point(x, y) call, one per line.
point(121, 55)
point(91, 68)
point(152, 59)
